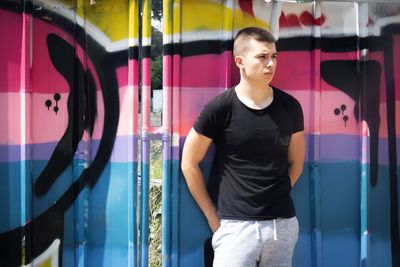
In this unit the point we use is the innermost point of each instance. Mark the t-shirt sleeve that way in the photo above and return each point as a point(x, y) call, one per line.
point(297, 116)
point(207, 123)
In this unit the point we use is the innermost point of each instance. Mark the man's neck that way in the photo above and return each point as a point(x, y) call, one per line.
point(256, 97)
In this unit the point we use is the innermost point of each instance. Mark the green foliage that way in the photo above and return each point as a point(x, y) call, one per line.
point(156, 73)
point(156, 160)
point(156, 58)
point(156, 9)
point(156, 43)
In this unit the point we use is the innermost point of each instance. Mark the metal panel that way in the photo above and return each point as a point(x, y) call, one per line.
point(69, 103)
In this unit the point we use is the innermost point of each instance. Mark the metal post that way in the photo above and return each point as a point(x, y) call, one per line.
point(166, 137)
point(25, 123)
point(364, 172)
point(314, 141)
point(145, 170)
point(133, 83)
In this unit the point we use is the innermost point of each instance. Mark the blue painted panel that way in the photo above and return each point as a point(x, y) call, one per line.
point(379, 217)
point(339, 215)
point(102, 221)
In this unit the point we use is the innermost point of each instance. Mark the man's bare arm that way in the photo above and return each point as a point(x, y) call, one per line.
point(194, 150)
point(296, 155)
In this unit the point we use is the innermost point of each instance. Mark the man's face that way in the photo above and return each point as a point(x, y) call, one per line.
point(258, 62)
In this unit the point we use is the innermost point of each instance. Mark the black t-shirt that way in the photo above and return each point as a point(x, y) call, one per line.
point(249, 177)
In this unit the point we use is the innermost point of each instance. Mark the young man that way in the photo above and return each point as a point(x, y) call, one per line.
point(258, 133)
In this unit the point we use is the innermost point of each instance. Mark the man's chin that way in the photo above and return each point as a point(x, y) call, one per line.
point(267, 81)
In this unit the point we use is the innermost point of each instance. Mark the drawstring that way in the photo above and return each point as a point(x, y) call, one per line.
point(258, 231)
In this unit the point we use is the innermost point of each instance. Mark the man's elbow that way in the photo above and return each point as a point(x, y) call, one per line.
point(186, 167)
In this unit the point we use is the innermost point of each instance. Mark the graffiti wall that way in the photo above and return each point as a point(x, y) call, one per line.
point(67, 163)
point(339, 60)
point(69, 102)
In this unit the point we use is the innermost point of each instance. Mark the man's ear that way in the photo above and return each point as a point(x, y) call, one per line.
point(239, 62)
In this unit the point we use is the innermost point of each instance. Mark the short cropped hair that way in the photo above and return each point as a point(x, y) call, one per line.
point(246, 34)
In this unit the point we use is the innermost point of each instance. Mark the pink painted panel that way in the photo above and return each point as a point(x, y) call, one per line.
point(10, 62)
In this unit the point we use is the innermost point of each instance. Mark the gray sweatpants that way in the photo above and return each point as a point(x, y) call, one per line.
point(269, 243)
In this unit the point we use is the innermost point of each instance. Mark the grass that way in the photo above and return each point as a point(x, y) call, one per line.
point(155, 258)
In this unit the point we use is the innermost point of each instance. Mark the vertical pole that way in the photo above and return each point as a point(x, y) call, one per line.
point(175, 115)
point(81, 205)
point(314, 141)
point(166, 201)
point(275, 15)
point(25, 126)
point(228, 28)
point(166, 138)
point(133, 83)
point(391, 128)
point(364, 173)
point(145, 177)
point(144, 202)
point(146, 64)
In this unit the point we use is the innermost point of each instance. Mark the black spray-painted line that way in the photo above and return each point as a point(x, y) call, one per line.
point(364, 88)
point(65, 61)
point(385, 44)
point(392, 136)
point(44, 229)
point(82, 111)
point(38, 234)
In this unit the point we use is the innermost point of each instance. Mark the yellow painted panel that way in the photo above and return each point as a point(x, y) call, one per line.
point(109, 17)
point(46, 263)
point(200, 15)
point(112, 17)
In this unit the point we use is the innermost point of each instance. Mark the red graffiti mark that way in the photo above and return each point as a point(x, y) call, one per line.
point(305, 18)
point(247, 6)
point(282, 20)
point(319, 21)
point(293, 20)
point(370, 22)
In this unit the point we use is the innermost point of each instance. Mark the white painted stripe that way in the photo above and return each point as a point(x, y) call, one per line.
point(146, 41)
point(175, 139)
point(262, 10)
point(91, 29)
point(133, 42)
point(50, 253)
point(200, 36)
point(379, 24)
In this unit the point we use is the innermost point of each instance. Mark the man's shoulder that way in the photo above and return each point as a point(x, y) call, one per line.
point(222, 101)
point(286, 97)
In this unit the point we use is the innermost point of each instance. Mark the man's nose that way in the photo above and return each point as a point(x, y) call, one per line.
point(270, 62)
